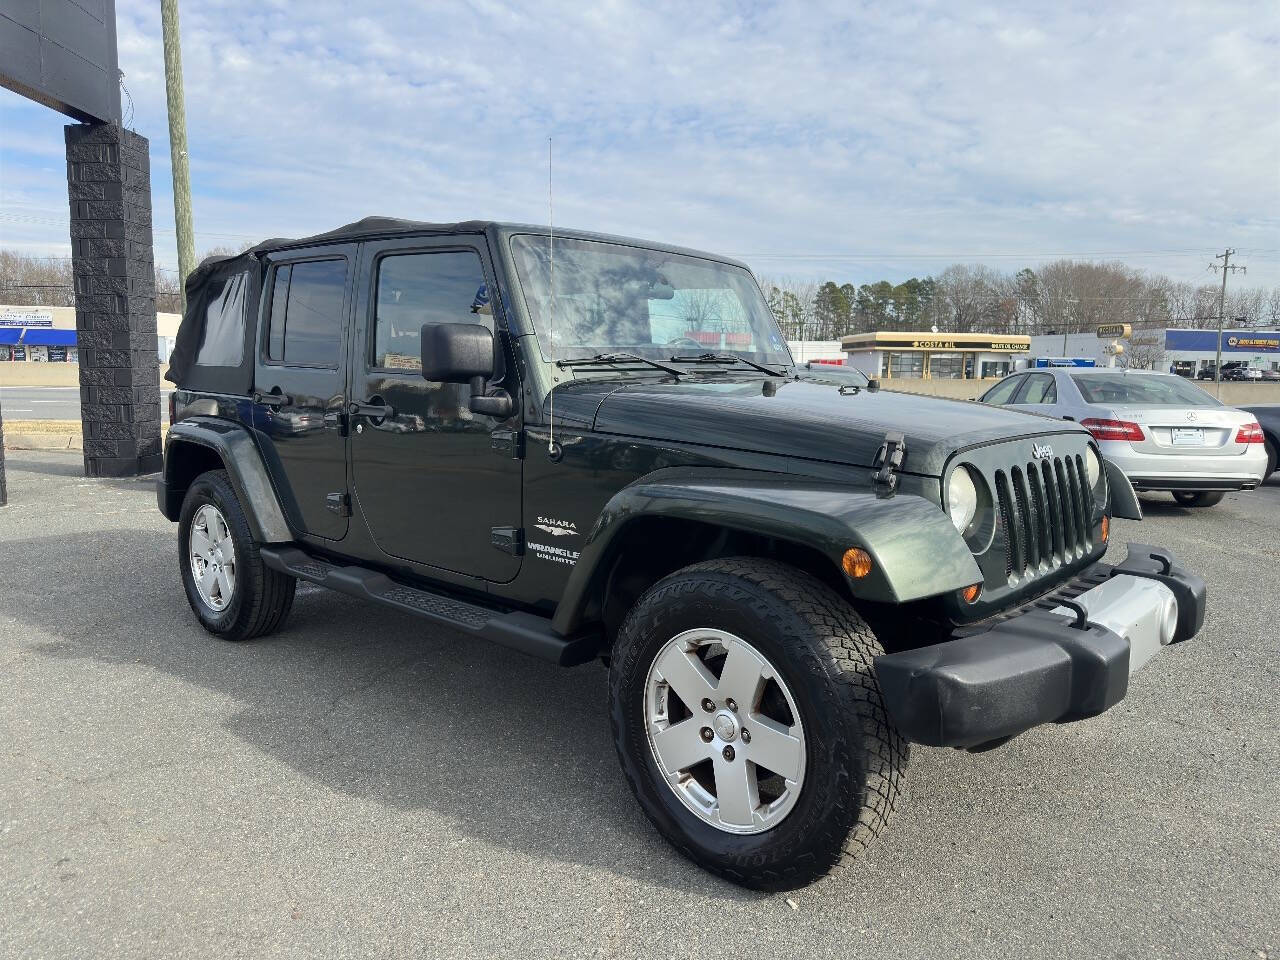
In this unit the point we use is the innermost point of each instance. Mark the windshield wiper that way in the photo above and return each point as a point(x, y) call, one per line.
point(728, 358)
point(612, 358)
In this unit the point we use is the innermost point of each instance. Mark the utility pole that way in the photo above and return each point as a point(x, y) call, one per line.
point(1227, 265)
point(178, 144)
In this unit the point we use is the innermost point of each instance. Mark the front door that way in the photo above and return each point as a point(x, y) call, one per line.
point(433, 482)
point(300, 384)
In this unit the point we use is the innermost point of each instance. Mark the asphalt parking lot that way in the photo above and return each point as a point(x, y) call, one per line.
point(359, 785)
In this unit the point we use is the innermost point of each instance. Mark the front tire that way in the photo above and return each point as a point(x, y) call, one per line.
point(1203, 498)
point(802, 767)
point(233, 593)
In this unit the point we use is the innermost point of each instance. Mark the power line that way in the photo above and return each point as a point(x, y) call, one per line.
point(1227, 266)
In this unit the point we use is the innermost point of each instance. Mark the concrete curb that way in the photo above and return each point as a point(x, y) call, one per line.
point(42, 441)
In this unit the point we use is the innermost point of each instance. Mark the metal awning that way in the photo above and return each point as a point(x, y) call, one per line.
point(46, 337)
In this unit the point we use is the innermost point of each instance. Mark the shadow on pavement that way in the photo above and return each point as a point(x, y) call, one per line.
point(367, 702)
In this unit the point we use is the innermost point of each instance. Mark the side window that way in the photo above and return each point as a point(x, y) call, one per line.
point(418, 288)
point(1002, 391)
point(222, 344)
point(1039, 388)
point(305, 326)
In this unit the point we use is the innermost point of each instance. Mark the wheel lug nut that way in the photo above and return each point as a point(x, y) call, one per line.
point(746, 735)
point(707, 734)
point(707, 705)
point(728, 753)
point(731, 705)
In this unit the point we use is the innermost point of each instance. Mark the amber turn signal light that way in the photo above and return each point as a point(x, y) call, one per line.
point(856, 562)
point(971, 592)
point(1106, 527)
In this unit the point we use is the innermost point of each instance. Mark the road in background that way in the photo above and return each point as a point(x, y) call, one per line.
point(53, 403)
point(364, 784)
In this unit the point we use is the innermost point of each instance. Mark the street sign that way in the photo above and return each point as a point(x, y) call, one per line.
point(1115, 331)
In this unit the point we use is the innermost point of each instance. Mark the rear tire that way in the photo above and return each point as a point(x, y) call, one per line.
point(813, 655)
point(1203, 498)
point(1271, 459)
point(233, 593)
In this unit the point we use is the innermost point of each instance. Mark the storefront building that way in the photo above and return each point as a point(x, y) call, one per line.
point(934, 356)
point(48, 334)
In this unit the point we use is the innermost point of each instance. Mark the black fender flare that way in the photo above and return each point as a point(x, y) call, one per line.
point(915, 549)
point(243, 462)
point(1124, 502)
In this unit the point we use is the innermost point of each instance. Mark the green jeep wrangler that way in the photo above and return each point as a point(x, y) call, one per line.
point(588, 448)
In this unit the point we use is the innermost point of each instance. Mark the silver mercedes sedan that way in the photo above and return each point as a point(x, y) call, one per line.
point(1164, 432)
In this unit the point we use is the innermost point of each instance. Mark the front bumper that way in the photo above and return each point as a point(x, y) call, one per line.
point(1067, 656)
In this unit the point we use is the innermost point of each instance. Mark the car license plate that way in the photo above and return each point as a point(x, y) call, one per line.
point(1188, 436)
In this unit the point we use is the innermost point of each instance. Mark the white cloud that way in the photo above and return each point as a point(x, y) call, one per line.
point(900, 132)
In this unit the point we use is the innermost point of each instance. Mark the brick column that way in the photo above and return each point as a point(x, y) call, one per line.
point(4, 493)
point(109, 186)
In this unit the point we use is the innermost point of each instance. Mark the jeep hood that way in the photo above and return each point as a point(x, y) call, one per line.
point(807, 418)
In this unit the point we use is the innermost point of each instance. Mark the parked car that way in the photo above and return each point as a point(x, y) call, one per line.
point(790, 573)
point(1208, 372)
point(1163, 432)
point(1271, 373)
point(1242, 373)
point(1268, 415)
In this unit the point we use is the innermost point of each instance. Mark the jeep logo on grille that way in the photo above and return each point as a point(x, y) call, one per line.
point(1041, 451)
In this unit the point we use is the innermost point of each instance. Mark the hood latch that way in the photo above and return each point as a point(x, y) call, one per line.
point(888, 461)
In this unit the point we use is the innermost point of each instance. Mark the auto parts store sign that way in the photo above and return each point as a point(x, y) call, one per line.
point(1253, 343)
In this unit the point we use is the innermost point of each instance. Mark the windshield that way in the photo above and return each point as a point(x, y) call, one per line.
point(614, 298)
point(1142, 390)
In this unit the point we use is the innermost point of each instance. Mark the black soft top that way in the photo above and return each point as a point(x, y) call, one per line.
point(223, 294)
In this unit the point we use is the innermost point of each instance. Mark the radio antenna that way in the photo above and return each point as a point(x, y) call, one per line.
point(551, 306)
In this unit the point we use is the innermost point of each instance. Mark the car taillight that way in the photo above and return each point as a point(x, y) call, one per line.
point(1250, 433)
point(1113, 429)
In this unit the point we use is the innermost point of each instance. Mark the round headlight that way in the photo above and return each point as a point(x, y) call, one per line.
point(1092, 467)
point(962, 498)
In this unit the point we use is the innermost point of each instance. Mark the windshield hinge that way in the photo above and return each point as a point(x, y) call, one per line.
point(888, 461)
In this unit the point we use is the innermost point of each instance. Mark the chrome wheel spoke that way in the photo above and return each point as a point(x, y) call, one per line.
point(224, 585)
point(680, 745)
point(687, 675)
point(201, 545)
point(742, 677)
point(737, 794)
point(774, 748)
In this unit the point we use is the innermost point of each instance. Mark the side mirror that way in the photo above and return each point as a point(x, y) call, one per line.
point(456, 352)
point(463, 353)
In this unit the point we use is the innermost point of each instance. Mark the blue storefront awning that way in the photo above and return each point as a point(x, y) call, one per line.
point(49, 338)
point(9, 335)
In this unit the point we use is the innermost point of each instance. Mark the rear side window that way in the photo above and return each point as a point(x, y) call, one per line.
point(222, 344)
point(1002, 392)
point(305, 326)
point(1039, 388)
point(418, 288)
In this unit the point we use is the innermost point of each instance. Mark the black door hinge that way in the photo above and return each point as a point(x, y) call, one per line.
point(888, 461)
point(508, 540)
point(339, 503)
point(508, 442)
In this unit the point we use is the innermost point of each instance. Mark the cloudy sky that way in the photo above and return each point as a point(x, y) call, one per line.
point(834, 139)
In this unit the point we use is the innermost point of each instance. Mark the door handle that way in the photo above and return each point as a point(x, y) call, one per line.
point(273, 399)
point(373, 408)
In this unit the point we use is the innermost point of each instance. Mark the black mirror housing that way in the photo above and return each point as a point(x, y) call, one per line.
point(456, 352)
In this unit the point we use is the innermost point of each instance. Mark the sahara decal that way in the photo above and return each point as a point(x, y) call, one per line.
point(557, 528)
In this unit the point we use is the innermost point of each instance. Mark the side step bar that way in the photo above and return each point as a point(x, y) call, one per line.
point(525, 632)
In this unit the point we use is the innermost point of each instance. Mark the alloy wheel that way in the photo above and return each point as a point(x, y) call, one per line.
point(213, 557)
point(724, 731)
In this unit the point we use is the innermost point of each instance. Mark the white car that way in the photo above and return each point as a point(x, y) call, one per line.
point(1164, 432)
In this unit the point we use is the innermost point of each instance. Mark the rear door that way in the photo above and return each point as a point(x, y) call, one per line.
point(300, 384)
point(436, 483)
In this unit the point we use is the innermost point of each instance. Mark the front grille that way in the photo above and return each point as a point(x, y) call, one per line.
point(1044, 508)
